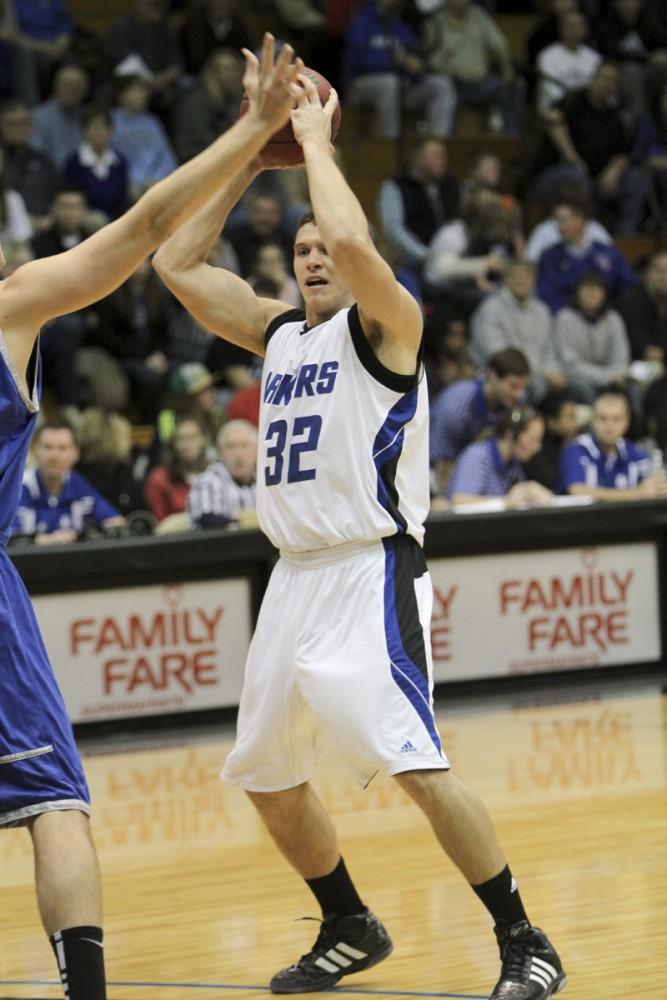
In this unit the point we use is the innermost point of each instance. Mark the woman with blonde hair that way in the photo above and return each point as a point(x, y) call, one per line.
point(105, 440)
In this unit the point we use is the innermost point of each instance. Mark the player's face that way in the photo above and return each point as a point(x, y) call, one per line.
point(320, 286)
point(56, 452)
point(610, 420)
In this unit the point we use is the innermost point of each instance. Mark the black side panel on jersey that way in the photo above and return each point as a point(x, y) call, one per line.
point(371, 362)
point(410, 565)
point(291, 316)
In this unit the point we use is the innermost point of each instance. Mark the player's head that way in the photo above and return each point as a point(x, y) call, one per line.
point(321, 289)
point(507, 375)
point(611, 417)
point(56, 449)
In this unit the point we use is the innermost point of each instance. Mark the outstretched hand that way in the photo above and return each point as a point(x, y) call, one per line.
point(311, 122)
point(271, 84)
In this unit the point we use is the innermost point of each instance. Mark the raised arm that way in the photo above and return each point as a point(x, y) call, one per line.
point(218, 299)
point(389, 315)
point(50, 287)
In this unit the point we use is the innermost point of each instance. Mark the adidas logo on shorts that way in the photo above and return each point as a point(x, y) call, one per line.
point(408, 747)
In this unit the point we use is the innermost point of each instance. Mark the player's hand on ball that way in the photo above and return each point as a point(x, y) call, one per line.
point(311, 121)
point(271, 85)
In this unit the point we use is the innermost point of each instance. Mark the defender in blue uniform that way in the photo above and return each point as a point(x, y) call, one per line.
point(42, 784)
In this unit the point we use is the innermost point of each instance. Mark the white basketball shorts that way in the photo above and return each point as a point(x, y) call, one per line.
point(341, 657)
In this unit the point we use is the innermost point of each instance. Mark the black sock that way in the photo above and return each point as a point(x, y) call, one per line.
point(335, 892)
point(79, 952)
point(501, 898)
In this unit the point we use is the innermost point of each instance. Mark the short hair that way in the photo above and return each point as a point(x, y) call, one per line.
point(574, 206)
point(306, 219)
point(552, 404)
point(614, 392)
point(92, 111)
point(55, 425)
point(509, 361)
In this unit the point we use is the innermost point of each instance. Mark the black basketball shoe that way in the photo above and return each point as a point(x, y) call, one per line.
point(531, 969)
point(344, 945)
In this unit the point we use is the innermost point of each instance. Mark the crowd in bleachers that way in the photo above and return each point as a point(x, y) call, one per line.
point(544, 344)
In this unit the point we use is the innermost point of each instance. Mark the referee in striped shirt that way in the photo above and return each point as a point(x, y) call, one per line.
point(227, 487)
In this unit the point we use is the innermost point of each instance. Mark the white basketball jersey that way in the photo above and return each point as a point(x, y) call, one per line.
point(343, 449)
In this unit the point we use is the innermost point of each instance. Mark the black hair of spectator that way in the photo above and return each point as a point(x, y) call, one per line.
point(55, 425)
point(13, 104)
point(617, 392)
point(514, 422)
point(576, 207)
point(66, 188)
point(93, 111)
point(551, 406)
point(123, 81)
point(509, 361)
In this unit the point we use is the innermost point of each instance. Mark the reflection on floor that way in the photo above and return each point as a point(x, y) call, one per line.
point(198, 903)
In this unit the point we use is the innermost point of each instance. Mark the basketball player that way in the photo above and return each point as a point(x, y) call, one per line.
point(341, 652)
point(42, 785)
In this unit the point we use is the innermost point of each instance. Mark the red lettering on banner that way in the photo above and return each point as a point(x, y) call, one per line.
point(197, 626)
point(440, 626)
point(181, 670)
point(603, 629)
point(579, 591)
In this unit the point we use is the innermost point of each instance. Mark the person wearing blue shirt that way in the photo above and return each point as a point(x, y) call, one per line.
point(139, 135)
point(603, 464)
point(56, 504)
point(495, 467)
point(461, 411)
point(561, 266)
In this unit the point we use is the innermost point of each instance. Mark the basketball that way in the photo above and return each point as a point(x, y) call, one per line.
point(282, 149)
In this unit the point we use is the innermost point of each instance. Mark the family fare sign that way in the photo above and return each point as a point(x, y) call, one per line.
point(148, 650)
point(543, 611)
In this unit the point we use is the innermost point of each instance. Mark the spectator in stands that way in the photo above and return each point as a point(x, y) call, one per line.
point(413, 205)
point(546, 30)
point(463, 410)
point(591, 341)
point(142, 41)
point(651, 150)
point(225, 491)
point(567, 65)
point(29, 172)
point(629, 33)
point(495, 467)
point(587, 133)
point(644, 312)
point(67, 211)
point(465, 45)
point(263, 223)
point(484, 174)
point(606, 466)
point(56, 123)
point(446, 356)
point(561, 427)
point(139, 136)
point(56, 503)
point(211, 25)
point(44, 35)
point(130, 326)
point(466, 257)
point(561, 266)
point(547, 232)
point(192, 394)
point(514, 317)
point(211, 106)
point(382, 68)
point(271, 263)
point(105, 441)
point(168, 485)
point(15, 224)
point(306, 25)
point(96, 168)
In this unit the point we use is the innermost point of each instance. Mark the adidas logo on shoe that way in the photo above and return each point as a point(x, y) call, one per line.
point(531, 968)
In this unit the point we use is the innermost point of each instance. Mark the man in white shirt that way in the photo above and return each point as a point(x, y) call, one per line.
point(566, 65)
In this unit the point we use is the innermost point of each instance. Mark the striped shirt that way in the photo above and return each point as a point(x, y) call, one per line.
point(216, 498)
point(481, 471)
point(584, 462)
point(458, 414)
